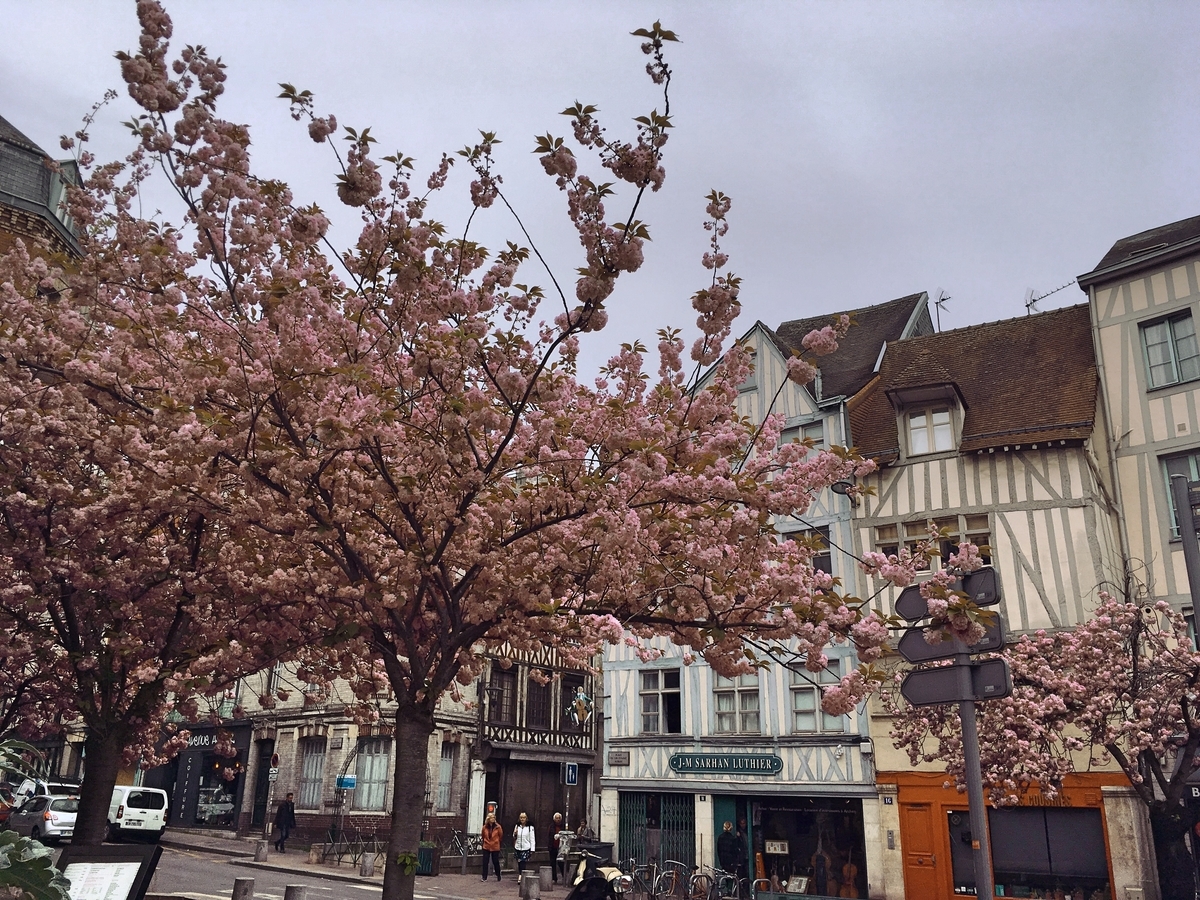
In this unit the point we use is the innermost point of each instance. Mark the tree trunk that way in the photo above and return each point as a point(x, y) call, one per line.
point(413, 728)
point(1176, 871)
point(102, 758)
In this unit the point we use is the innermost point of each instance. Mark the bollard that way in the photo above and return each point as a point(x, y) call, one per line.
point(366, 867)
point(295, 892)
point(314, 855)
point(545, 874)
point(530, 886)
point(243, 888)
point(260, 851)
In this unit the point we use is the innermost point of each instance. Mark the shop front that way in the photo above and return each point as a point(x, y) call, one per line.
point(797, 812)
point(204, 782)
point(1044, 847)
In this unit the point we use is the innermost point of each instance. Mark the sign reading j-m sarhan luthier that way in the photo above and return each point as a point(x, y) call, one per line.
point(726, 764)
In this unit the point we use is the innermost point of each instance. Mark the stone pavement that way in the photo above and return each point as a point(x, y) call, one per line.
point(447, 886)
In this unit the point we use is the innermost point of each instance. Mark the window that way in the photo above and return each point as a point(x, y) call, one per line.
point(662, 712)
point(751, 382)
point(814, 431)
point(274, 678)
point(737, 704)
point(807, 715)
point(370, 769)
point(502, 697)
point(1172, 351)
point(537, 704)
point(571, 686)
point(822, 559)
point(975, 529)
point(446, 776)
point(929, 431)
point(312, 772)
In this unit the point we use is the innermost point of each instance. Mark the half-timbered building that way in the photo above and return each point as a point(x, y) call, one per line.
point(687, 750)
point(1143, 296)
point(996, 433)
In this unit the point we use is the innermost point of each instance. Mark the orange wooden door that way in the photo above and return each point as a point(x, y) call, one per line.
point(919, 839)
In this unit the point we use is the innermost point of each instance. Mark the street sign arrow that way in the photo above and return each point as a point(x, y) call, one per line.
point(910, 604)
point(914, 648)
point(981, 586)
point(990, 680)
point(929, 687)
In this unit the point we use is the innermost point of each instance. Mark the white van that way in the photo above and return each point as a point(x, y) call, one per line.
point(136, 811)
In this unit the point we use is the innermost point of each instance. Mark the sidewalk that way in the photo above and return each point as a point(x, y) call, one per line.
point(446, 886)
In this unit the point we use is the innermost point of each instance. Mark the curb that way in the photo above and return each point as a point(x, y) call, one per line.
point(166, 841)
point(313, 872)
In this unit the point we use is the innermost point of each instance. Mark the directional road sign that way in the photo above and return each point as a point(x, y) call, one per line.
point(990, 680)
point(982, 586)
point(914, 648)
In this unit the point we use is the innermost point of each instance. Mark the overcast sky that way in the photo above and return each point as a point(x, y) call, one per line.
point(872, 150)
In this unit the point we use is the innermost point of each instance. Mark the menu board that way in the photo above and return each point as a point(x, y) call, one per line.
point(102, 880)
point(109, 871)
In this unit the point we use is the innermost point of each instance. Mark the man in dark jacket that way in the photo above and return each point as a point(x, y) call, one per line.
point(285, 821)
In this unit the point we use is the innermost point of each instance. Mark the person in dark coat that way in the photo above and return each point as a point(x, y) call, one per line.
point(727, 848)
point(285, 821)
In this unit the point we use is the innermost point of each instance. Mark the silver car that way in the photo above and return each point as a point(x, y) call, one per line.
point(45, 819)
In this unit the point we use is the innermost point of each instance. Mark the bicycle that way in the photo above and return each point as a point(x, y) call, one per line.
point(714, 884)
point(672, 881)
point(463, 844)
point(643, 877)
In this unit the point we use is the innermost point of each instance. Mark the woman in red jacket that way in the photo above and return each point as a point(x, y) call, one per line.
point(492, 834)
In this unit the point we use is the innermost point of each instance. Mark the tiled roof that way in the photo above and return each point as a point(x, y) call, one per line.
point(1022, 381)
point(1147, 247)
point(11, 135)
point(846, 370)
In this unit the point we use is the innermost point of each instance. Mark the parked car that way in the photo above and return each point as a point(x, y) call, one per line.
point(46, 787)
point(7, 799)
point(136, 811)
point(46, 819)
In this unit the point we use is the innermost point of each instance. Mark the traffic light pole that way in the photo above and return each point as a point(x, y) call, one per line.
point(981, 851)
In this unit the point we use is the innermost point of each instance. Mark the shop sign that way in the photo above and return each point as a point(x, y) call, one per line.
point(726, 764)
point(777, 848)
point(202, 740)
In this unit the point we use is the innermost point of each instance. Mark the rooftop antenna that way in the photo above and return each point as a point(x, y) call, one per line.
point(1031, 301)
point(939, 303)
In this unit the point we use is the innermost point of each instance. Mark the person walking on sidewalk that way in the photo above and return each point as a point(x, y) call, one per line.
point(285, 821)
point(523, 842)
point(492, 833)
point(555, 828)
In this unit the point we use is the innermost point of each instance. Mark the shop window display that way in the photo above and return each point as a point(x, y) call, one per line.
point(216, 802)
point(817, 843)
point(1037, 852)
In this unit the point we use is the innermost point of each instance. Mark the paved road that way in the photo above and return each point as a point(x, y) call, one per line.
point(204, 876)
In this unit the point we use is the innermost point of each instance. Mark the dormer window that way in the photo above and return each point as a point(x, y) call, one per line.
point(930, 431)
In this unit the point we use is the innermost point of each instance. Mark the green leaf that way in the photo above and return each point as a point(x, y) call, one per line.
point(28, 865)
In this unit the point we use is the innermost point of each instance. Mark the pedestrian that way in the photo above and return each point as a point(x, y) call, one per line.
point(523, 842)
point(555, 828)
point(285, 821)
point(492, 834)
point(584, 831)
point(727, 848)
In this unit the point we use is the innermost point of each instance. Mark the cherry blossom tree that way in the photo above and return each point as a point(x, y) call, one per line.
point(394, 443)
point(1122, 687)
point(125, 590)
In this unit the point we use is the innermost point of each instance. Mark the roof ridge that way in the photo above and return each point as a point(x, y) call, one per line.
point(961, 328)
point(10, 134)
